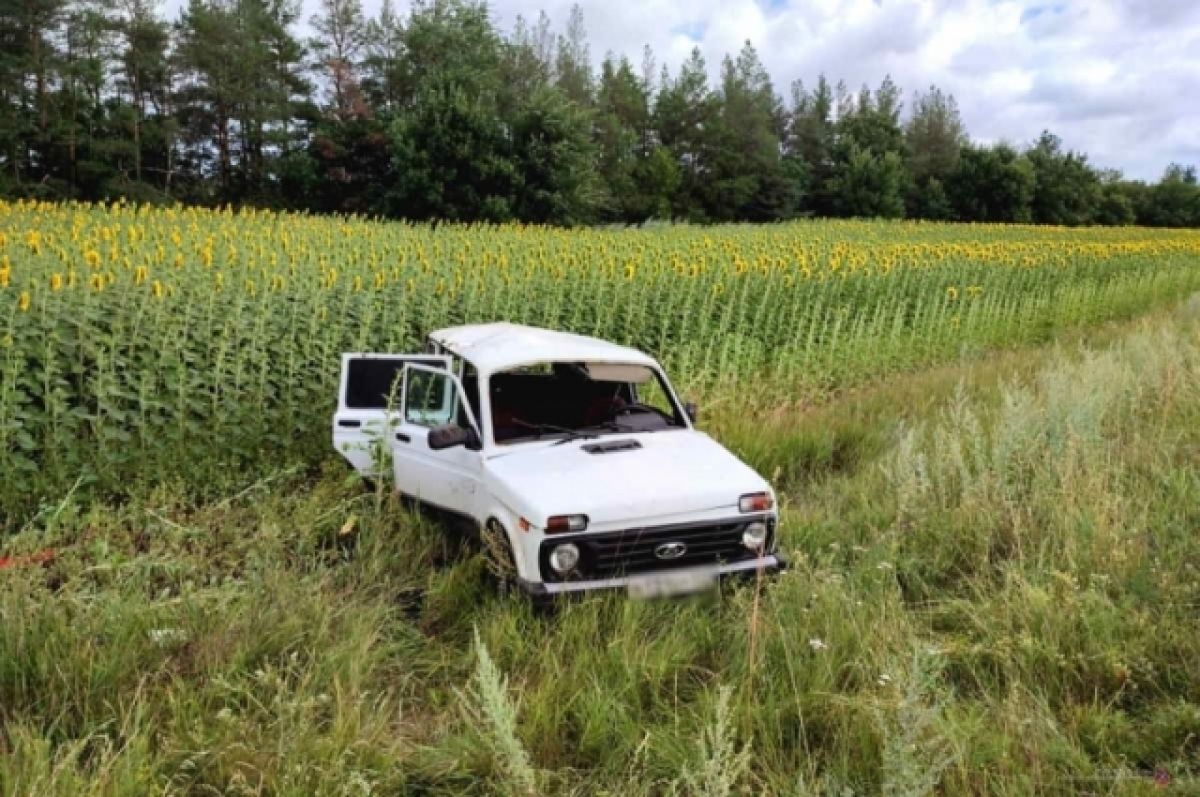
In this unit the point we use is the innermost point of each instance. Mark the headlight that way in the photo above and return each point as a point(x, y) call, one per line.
point(560, 524)
point(756, 502)
point(755, 536)
point(564, 558)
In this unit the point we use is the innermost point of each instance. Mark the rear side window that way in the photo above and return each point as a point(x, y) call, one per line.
point(374, 383)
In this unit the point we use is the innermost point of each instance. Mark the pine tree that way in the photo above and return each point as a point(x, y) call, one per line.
point(146, 76)
point(622, 115)
point(573, 61)
point(686, 114)
point(383, 52)
point(528, 57)
point(809, 142)
point(748, 180)
point(342, 37)
point(933, 137)
point(28, 64)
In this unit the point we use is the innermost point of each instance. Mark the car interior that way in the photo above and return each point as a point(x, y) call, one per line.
point(553, 397)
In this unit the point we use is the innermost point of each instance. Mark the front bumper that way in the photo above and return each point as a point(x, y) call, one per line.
point(635, 551)
point(772, 563)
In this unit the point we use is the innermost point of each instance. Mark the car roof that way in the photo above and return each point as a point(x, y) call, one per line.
point(501, 345)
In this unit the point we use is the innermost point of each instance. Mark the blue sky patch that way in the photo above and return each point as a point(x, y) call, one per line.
point(1033, 12)
point(693, 30)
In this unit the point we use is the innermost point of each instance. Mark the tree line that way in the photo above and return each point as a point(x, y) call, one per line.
point(437, 114)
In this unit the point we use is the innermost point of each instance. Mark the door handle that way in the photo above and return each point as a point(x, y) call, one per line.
point(402, 437)
point(350, 424)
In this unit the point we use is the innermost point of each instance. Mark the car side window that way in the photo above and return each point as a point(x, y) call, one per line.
point(433, 399)
point(372, 384)
point(429, 399)
point(652, 394)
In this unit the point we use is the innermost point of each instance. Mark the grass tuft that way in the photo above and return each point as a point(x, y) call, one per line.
point(720, 763)
point(489, 705)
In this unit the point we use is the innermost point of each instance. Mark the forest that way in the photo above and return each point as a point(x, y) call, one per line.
point(436, 113)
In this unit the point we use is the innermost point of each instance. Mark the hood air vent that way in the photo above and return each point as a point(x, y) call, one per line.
point(611, 446)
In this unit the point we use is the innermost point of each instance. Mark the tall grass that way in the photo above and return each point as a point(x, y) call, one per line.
point(993, 592)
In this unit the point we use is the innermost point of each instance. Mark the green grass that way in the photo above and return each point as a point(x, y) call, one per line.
point(994, 591)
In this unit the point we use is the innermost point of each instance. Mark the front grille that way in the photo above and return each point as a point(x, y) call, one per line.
point(619, 553)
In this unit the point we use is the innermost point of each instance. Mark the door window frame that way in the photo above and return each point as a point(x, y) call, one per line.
point(463, 403)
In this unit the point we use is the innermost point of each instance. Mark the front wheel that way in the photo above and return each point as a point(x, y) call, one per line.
point(498, 554)
point(502, 567)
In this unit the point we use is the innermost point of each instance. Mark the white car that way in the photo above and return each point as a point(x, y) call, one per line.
point(573, 450)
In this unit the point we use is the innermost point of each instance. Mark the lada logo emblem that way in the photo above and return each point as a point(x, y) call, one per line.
point(670, 550)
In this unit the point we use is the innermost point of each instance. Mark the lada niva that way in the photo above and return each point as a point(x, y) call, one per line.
point(573, 452)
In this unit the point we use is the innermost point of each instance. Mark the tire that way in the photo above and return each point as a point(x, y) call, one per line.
point(502, 569)
point(498, 553)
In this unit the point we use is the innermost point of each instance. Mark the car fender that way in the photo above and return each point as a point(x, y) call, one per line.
point(518, 541)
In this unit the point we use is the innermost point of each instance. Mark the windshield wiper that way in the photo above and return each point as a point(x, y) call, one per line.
point(541, 429)
point(590, 432)
point(583, 433)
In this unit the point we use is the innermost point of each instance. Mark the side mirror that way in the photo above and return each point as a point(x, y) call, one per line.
point(693, 412)
point(451, 435)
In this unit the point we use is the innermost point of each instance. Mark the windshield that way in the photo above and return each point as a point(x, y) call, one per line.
point(575, 400)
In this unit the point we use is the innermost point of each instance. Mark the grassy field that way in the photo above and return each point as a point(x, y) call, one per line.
point(994, 592)
point(991, 523)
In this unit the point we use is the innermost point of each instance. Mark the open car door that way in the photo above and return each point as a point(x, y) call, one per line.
point(447, 478)
point(370, 396)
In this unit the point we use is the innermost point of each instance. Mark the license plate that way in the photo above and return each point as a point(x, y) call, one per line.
point(679, 582)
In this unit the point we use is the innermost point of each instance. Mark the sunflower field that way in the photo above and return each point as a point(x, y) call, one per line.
point(194, 343)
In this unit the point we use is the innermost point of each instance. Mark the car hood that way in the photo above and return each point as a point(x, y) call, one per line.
point(670, 473)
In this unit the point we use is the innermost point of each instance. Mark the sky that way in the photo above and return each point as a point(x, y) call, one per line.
point(1117, 79)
